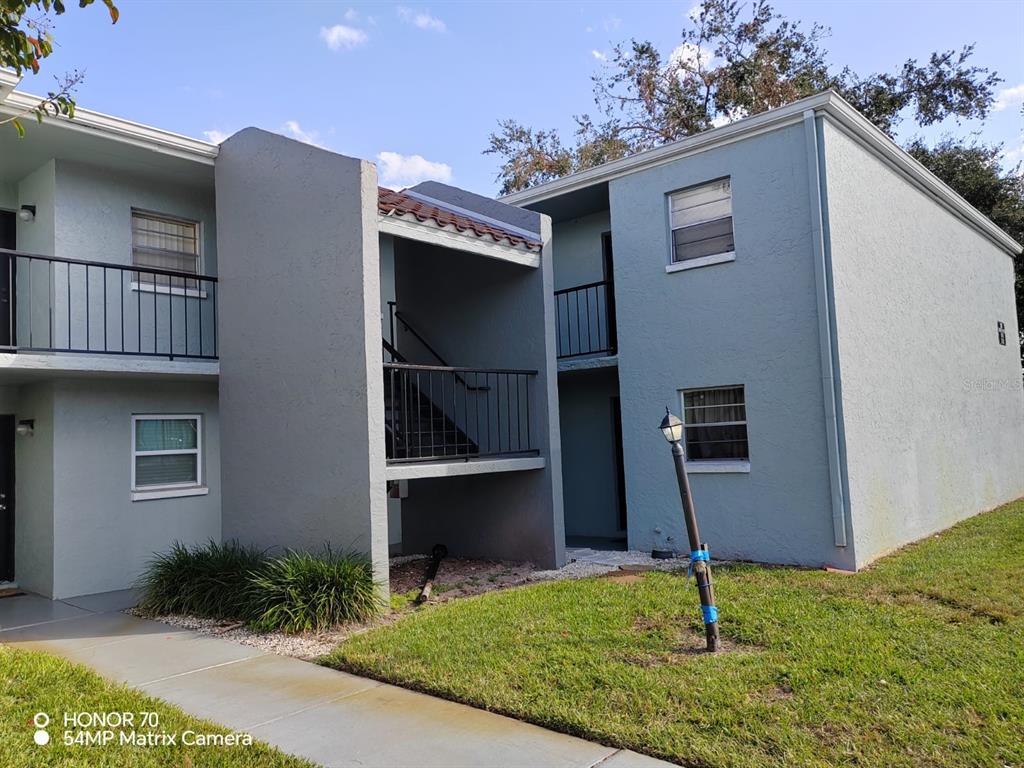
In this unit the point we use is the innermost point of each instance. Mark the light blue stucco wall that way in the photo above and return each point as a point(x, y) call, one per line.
point(39, 189)
point(751, 322)
point(33, 489)
point(579, 257)
point(589, 474)
point(933, 407)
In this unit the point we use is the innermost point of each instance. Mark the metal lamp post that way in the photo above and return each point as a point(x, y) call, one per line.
point(672, 429)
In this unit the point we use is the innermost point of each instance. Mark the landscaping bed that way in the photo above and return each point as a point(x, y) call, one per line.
point(917, 661)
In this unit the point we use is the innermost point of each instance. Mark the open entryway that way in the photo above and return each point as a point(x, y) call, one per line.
point(6, 498)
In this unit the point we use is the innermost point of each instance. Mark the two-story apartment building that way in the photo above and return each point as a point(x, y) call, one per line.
point(255, 341)
point(835, 326)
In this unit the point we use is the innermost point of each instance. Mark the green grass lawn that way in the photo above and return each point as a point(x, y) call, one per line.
point(36, 682)
point(918, 661)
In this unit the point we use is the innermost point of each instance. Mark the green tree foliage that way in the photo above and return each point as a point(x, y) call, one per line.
point(733, 60)
point(973, 170)
point(26, 39)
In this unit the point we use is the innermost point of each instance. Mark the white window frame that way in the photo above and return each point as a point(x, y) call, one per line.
point(174, 489)
point(146, 286)
point(701, 261)
point(716, 466)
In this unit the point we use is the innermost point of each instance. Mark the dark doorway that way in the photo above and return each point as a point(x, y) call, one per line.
point(7, 498)
point(9, 241)
point(620, 464)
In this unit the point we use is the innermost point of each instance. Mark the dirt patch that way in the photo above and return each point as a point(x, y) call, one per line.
point(679, 641)
point(773, 695)
point(457, 577)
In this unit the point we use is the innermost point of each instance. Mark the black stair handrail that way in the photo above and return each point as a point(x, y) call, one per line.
point(396, 315)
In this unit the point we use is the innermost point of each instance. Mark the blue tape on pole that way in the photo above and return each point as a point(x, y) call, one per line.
point(710, 614)
point(700, 554)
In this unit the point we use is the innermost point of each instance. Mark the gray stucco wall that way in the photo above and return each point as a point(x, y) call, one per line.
point(589, 478)
point(38, 189)
point(933, 406)
point(751, 322)
point(103, 539)
point(301, 389)
point(481, 312)
point(579, 249)
point(33, 491)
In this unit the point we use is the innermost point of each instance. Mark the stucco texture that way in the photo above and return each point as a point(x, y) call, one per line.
point(933, 406)
point(753, 322)
point(301, 389)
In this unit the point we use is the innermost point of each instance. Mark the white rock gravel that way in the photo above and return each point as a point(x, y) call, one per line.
point(582, 563)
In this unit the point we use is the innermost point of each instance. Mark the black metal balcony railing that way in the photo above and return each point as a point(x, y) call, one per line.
point(586, 319)
point(442, 412)
point(51, 304)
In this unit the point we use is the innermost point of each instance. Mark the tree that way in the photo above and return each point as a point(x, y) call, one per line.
point(973, 170)
point(732, 62)
point(26, 39)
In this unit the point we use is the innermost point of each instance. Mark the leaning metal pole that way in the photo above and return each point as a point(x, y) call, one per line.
point(699, 555)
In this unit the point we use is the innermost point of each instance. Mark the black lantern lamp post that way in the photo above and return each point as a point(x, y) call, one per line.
point(672, 429)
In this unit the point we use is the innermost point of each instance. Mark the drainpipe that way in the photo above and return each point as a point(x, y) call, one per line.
point(826, 328)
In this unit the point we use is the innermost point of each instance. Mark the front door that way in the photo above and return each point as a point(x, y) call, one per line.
point(8, 240)
point(7, 498)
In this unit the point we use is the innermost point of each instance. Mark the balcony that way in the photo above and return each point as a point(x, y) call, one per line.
point(586, 320)
point(50, 304)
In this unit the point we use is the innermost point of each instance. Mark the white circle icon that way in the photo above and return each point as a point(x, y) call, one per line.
point(41, 720)
point(42, 738)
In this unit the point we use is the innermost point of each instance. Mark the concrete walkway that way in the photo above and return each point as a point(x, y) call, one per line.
point(329, 717)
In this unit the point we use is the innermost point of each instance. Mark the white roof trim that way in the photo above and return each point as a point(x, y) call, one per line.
point(832, 106)
point(429, 231)
point(8, 82)
point(533, 237)
point(119, 129)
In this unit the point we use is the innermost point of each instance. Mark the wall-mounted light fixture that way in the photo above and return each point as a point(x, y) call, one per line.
point(26, 427)
point(27, 213)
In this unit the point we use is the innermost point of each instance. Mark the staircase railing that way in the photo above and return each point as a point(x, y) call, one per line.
point(444, 412)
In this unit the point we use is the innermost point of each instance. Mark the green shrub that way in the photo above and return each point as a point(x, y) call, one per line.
point(211, 580)
point(303, 592)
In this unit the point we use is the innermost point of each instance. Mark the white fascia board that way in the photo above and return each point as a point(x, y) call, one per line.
point(430, 232)
point(716, 137)
point(413, 471)
point(873, 139)
point(119, 129)
point(8, 82)
point(829, 104)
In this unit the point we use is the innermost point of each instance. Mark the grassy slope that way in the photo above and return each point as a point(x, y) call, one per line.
point(35, 682)
point(917, 661)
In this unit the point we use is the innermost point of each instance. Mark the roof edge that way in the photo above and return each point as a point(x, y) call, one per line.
point(828, 103)
point(119, 129)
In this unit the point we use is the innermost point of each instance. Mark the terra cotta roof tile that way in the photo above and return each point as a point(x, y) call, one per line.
point(394, 203)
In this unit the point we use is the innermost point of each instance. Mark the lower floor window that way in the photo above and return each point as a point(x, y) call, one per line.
point(716, 424)
point(166, 451)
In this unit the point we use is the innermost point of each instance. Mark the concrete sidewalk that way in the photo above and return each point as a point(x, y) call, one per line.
point(329, 717)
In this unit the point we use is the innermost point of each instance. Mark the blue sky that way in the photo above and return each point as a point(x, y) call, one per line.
point(396, 82)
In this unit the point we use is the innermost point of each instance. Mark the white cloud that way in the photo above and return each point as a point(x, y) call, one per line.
point(598, 55)
point(689, 55)
point(421, 19)
point(398, 170)
point(214, 136)
point(694, 13)
point(293, 130)
point(1007, 97)
point(339, 36)
point(728, 117)
point(1013, 156)
point(351, 15)
point(611, 23)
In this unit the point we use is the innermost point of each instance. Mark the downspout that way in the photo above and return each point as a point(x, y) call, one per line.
point(826, 328)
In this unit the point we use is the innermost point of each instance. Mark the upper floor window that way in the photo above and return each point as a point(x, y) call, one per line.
point(701, 220)
point(165, 242)
point(716, 424)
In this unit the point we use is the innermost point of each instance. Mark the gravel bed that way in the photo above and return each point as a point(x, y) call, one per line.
point(456, 578)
